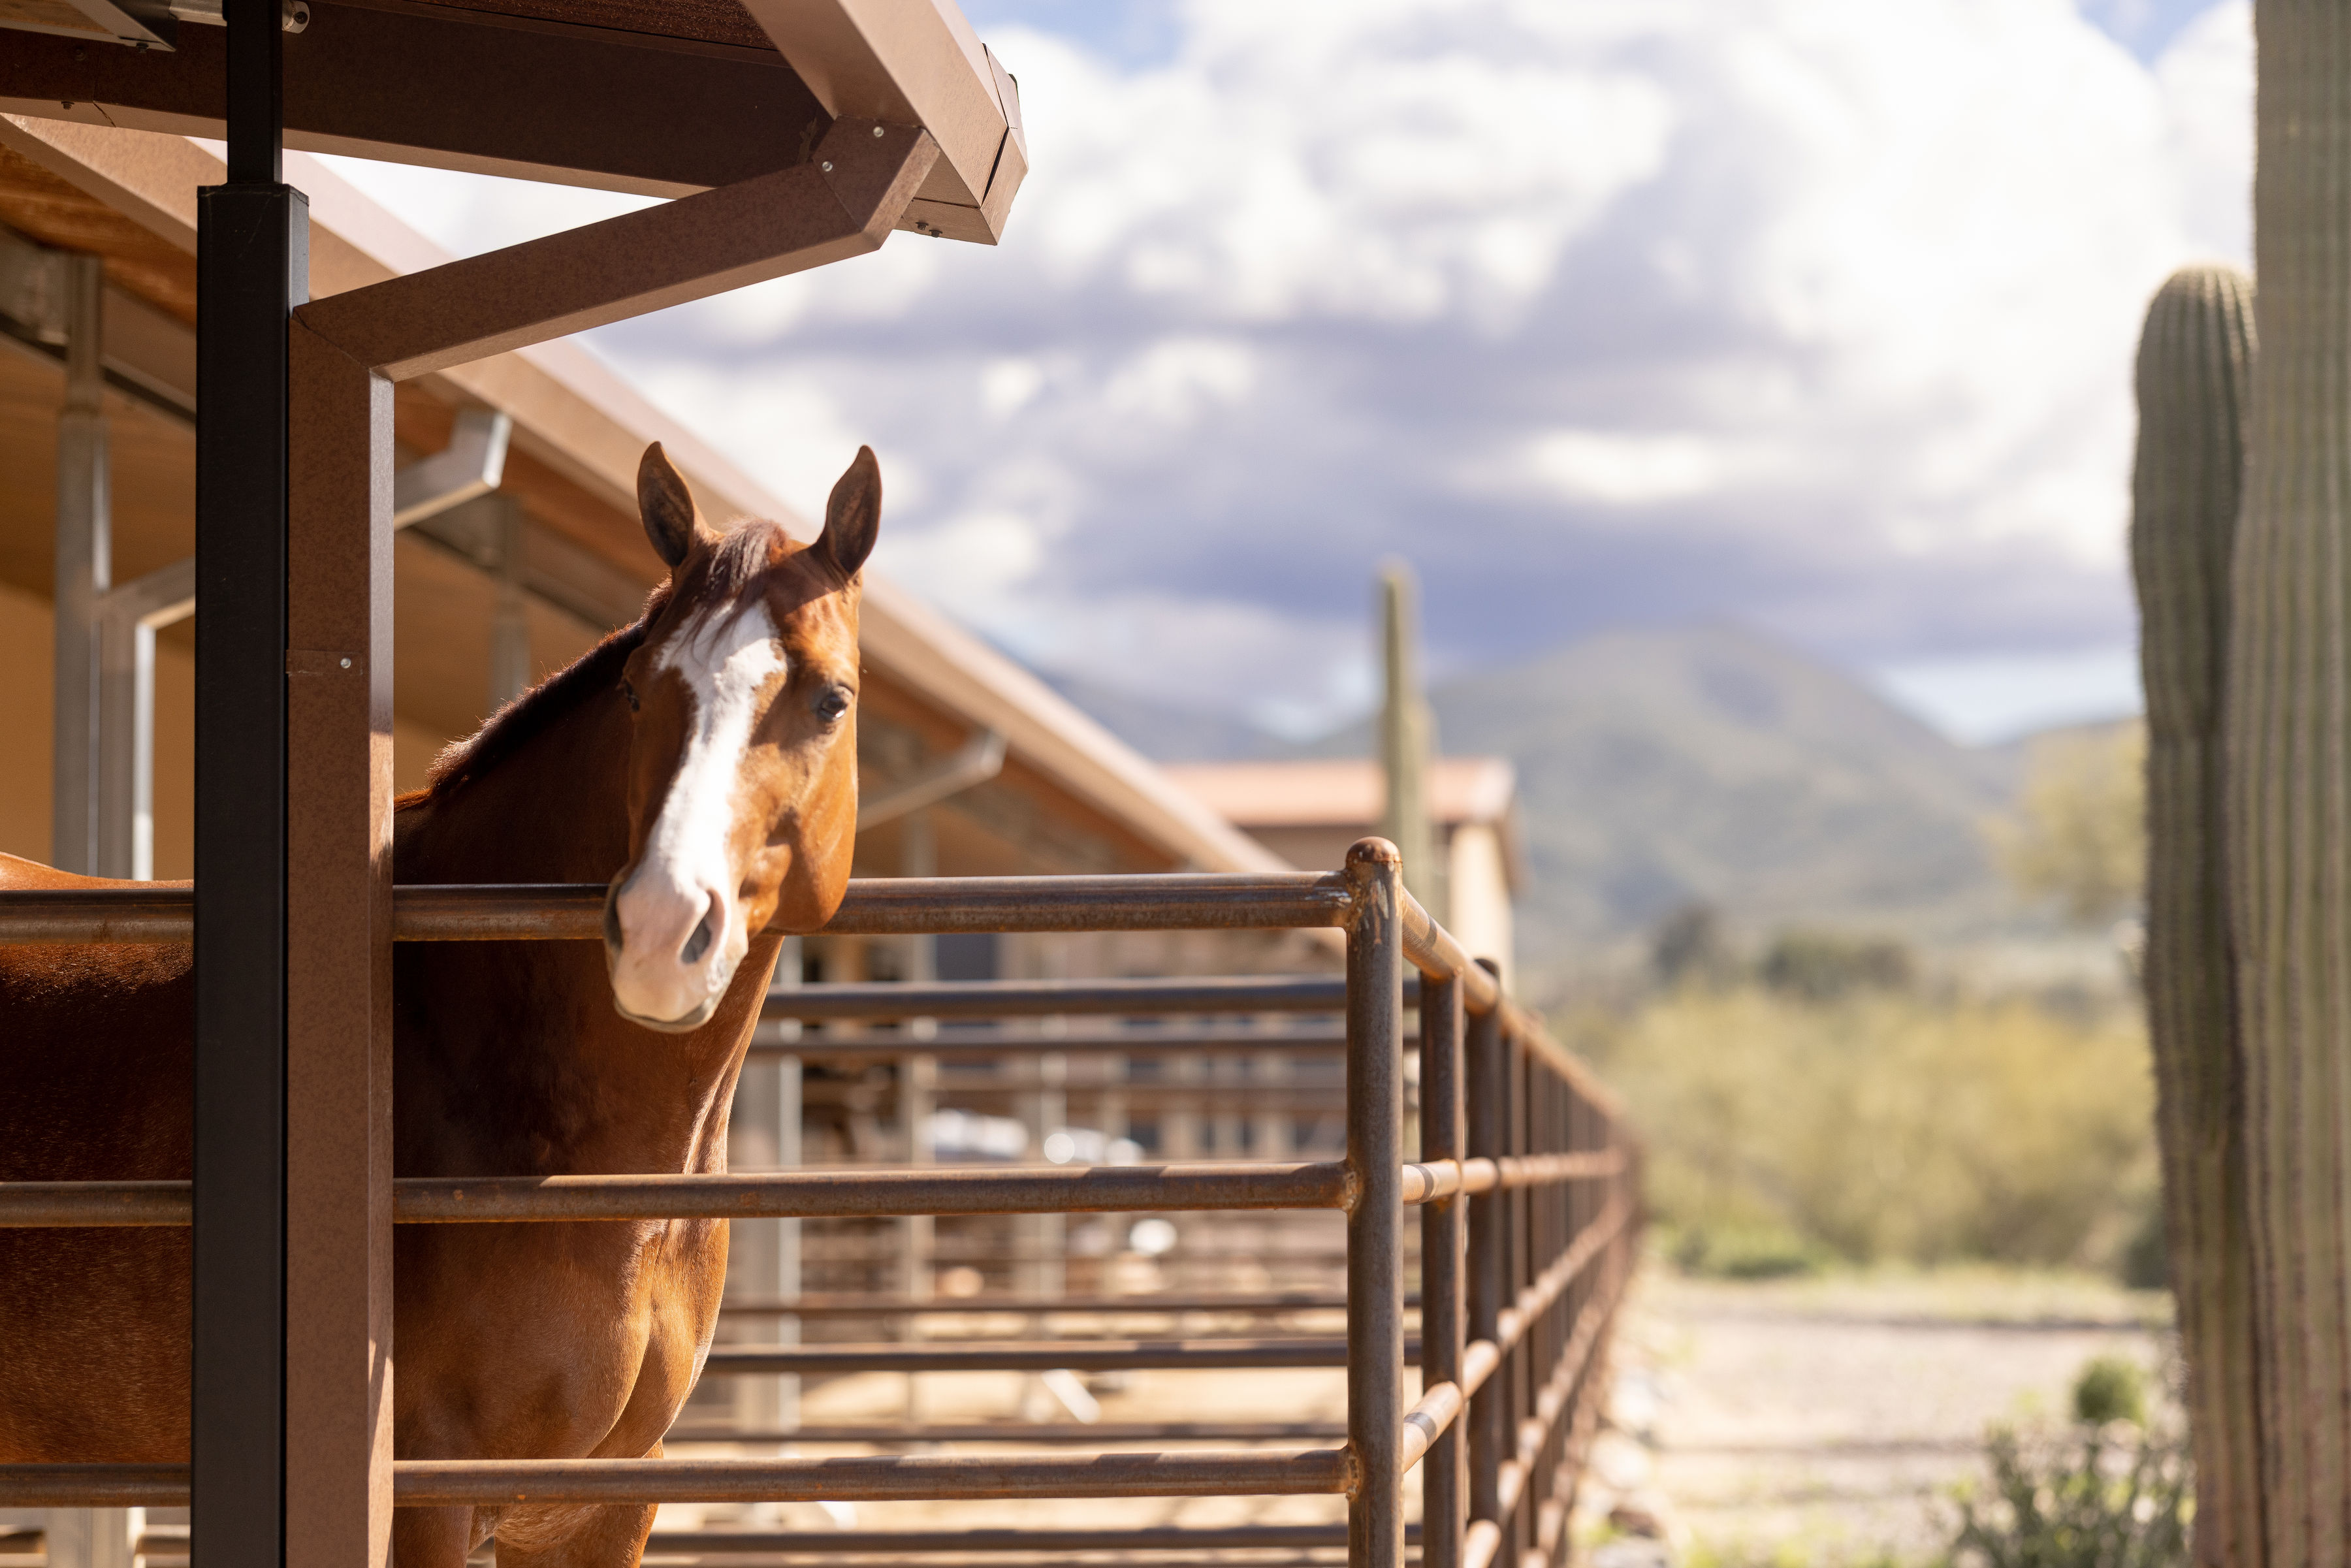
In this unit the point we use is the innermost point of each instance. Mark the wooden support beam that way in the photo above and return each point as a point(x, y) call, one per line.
point(841, 204)
point(916, 62)
point(339, 670)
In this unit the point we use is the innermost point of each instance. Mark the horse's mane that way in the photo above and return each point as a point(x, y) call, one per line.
point(506, 731)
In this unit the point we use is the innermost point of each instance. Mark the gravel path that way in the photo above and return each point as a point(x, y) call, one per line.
point(1826, 1421)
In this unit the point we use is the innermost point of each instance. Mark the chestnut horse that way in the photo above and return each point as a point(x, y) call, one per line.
point(708, 752)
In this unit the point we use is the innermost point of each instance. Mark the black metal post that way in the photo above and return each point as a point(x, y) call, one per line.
point(253, 268)
point(1443, 1471)
point(1375, 1222)
point(1488, 1415)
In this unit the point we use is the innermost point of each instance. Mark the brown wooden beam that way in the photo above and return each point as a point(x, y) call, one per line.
point(916, 62)
point(452, 88)
point(339, 670)
point(843, 202)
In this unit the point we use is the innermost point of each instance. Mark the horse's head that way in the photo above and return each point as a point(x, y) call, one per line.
point(743, 767)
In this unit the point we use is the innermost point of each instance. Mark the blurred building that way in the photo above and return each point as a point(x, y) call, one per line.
point(1308, 812)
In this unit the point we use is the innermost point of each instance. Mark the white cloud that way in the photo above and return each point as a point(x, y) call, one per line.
point(1176, 380)
point(1839, 295)
point(1624, 470)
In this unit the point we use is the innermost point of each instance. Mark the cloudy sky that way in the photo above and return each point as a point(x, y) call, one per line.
point(1813, 314)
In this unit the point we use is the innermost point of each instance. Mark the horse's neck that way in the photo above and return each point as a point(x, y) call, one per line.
point(537, 1066)
point(553, 810)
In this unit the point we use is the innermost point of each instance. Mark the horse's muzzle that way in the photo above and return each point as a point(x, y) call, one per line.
point(670, 948)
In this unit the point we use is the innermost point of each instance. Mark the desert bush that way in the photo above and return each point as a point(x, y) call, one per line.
point(1824, 966)
point(2115, 1491)
point(1888, 1126)
point(2078, 833)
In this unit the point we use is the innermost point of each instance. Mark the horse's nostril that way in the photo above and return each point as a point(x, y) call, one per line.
point(699, 943)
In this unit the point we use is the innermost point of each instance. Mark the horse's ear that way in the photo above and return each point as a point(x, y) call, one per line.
point(667, 506)
point(853, 516)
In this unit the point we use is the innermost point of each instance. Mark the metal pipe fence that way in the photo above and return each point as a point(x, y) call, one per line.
point(1525, 1176)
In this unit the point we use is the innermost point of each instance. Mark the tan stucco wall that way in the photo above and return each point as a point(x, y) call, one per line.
point(1477, 895)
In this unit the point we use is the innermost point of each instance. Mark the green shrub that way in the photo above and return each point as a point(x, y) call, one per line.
point(1889, 1125)
point(1747, 1252)
point(1822, 967)
point(2112, 1492)
point(2110, 1388)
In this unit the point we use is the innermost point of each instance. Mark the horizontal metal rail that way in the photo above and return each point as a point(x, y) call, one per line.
point(574, 912)
point(1057, 1434)
point(93, 1486)
point(811, 1556)
point(875, 1477)
point(1047, 999)
point(1236, 1301)
point(810, 1195)
point(1434, 1179)
point(804, 1195)
point(772, 1040)
point(829, 1194)
point(1427, 1419)
point(1142, 1538)
point(930, 1546)
point(1029, 1355)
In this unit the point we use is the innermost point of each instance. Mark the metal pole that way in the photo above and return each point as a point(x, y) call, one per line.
point(84, 569)
point(252, 268)
point(1444, 1475)
point(1532, 1366)
point(509, 622)
point(1376, 1221)
point(1488, 1415)
point(764, 1255)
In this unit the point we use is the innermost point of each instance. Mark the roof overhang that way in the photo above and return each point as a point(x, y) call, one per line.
point(684, 97)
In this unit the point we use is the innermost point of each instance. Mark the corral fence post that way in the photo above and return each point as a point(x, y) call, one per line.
point(1486, 1072)
point(1445, 1472)
point(1375, 1215)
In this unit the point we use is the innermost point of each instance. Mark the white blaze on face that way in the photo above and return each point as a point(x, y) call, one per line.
point(681, 926)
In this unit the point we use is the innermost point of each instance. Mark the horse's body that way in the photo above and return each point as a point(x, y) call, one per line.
point(725, 801)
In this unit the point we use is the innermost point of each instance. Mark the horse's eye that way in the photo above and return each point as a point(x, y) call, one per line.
point(831, 702)
point(629, 692)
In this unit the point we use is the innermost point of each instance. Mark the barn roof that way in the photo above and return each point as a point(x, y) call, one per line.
point(685, 94)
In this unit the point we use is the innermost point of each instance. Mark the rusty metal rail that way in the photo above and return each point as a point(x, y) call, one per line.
point(830, 1195)
point(1525, 1179)
point(1059, 1434)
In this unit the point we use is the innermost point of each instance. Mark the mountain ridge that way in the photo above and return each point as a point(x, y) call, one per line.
point(1707, 764)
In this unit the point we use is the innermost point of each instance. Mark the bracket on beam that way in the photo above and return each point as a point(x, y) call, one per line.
point(471, 464)
point(979, 760)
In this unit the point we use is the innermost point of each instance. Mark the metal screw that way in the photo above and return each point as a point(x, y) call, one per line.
point(828, 168)
point(877, 132)
point(347, 664)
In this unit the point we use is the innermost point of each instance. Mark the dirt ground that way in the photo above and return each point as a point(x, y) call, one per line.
point(1826, 1421)
point(1801, 1422)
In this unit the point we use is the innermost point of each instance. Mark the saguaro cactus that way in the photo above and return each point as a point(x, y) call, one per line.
point(1407, 739)
point(2289, 790)
point(2194, 358)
